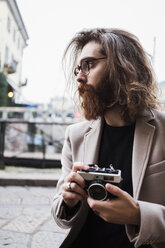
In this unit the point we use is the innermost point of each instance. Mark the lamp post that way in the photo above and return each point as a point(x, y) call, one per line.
point(10, 95)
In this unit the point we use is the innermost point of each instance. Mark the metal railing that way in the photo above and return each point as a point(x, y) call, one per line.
point(31, 143)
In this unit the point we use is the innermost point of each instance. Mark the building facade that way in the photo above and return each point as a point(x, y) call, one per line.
point(13, 40)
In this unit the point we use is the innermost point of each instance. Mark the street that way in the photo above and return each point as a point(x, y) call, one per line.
point(26, 220)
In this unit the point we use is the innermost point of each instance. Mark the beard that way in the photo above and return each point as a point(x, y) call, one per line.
point(95, 101)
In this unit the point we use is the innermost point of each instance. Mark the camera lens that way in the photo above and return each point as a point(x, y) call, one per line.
point(97, 191)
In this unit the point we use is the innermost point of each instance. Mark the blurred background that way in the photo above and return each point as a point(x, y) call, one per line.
point(35, 108)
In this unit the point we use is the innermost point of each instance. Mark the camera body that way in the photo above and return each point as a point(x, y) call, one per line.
point(96, 178)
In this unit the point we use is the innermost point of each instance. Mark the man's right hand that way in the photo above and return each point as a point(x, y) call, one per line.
point(73, 187)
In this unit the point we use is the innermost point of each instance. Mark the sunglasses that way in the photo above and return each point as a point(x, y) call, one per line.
point(85, 66)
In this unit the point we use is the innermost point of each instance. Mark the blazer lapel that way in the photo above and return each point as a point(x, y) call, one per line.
point(92, 142)
point(144, 133)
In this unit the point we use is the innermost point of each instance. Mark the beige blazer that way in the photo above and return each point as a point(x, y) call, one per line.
point(148, 175)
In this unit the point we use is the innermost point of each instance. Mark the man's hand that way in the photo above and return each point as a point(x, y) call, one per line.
point(121, 210)
point(73, 187)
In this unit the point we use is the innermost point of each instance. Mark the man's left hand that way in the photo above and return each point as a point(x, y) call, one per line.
point(121, 210)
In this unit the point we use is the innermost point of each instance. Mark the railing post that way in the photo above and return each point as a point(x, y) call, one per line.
point(2, 144)
point(44, 151)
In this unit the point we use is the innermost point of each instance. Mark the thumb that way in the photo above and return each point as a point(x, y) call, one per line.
point(115, 190)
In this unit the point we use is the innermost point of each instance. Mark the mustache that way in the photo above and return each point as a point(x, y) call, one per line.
point(82, 88)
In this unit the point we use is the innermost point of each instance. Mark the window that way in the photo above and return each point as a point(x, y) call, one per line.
point(8, 24)
point(13, 63)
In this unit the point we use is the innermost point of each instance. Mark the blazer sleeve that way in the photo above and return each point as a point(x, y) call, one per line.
point(59, 209)
point(152, 226)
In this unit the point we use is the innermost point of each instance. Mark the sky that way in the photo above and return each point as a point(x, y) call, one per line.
point(51, 24)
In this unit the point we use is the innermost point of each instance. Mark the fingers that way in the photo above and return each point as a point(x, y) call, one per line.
point(72, 193)
point(74, 188)
point(75, 177)
point(72, 197)
point(115, 190)
point(68, 186)
point(97, 205)
point(121, 210)
point(79, 165)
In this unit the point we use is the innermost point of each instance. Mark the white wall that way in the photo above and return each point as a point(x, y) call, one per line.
point(6, 38)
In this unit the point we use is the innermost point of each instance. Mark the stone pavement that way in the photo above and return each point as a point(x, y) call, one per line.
point(25, 218)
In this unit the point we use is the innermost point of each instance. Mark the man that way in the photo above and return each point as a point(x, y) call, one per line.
point(117, 91)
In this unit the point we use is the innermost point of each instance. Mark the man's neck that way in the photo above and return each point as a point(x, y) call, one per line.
point(113, 118)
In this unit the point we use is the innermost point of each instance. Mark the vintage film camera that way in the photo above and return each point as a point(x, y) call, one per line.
point(96, 178)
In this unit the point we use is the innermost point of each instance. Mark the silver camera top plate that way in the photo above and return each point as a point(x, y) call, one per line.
point(107, 177)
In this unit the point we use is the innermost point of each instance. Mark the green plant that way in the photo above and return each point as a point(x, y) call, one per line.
point(3, 90)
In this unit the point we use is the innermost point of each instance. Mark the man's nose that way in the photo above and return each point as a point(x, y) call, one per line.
point(81, 78)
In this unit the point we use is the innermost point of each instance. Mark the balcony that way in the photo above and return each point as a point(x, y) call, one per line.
point(10, 68)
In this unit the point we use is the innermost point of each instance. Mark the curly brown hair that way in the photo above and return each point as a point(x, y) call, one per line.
point(129, 70)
